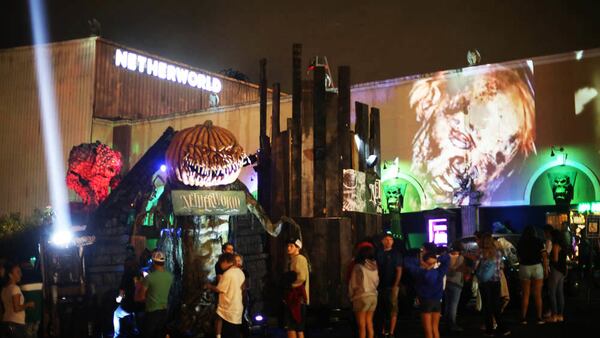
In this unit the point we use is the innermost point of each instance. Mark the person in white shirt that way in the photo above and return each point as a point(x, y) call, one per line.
point(230, 308)
point(362, 288)
point(14, 303)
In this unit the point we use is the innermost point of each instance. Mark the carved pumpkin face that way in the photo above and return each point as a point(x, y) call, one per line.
point(204, 156)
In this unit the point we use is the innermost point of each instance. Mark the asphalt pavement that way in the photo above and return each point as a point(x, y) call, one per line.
point(582, 319)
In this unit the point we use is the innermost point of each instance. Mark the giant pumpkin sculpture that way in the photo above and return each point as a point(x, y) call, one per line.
point(207, 157)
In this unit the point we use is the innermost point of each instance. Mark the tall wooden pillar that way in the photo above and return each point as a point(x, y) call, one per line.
point(296, 136)
point(375, 139)
point(319, 150)
point(343, 117)
point(264, 168)
point(361, 131)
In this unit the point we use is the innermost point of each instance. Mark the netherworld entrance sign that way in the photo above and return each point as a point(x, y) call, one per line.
point(208, 202)
point(142, 64)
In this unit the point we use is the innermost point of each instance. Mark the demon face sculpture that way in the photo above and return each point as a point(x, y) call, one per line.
point(394, 197)
point(93, 168)
point(204, 156)
point(562, 187)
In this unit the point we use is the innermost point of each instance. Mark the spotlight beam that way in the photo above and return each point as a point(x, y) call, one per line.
point(55, 169)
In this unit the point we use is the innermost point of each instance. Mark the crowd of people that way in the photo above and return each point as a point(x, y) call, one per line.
point(437, 277)
point(378, 276)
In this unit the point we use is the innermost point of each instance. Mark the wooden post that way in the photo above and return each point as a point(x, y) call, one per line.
point(296, 136)
point(275, 128)
point(333, 172)
point(264, 167)
point(263, 99)
point(362, 131)
point(279, 161)
point(319, 125)
point(375, 139)
point(343, 117)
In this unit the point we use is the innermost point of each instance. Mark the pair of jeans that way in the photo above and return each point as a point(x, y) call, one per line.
point(556, 282)
point(12, 330)
point(119, 314)
point(32, 329)
point(491, 305)
point(452, 299)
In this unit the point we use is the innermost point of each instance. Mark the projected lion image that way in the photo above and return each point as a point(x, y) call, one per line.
point(477, 125)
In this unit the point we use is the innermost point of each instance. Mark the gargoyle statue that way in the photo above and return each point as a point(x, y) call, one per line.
point(562, 187)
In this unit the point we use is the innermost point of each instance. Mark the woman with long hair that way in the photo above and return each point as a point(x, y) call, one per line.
point(487, 269)
point(14, 303)
point(533, 266)
point(556, 280)
point(362, 288)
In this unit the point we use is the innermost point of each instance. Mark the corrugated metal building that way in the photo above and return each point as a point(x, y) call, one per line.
point(108, 92)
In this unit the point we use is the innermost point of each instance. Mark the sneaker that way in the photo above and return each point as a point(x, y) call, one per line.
point(456, 328)
point(489, 333)
point(523, 321)
point(503, 332)
point(540, 321)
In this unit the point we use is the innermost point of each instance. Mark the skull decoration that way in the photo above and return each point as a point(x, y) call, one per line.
point(204, 156)
point(395, 197)
point(562, 187)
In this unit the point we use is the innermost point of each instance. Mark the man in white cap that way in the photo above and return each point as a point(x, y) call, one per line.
point(295, 314)
point(155, 292)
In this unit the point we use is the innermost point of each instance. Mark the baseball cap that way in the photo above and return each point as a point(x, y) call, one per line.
point(296, 242)
point(158, 256)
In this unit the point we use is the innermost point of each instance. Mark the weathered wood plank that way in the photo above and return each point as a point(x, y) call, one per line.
point(320, 142)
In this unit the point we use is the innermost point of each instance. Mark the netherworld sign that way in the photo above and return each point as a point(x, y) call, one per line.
point(162, 70)
point(208, 202)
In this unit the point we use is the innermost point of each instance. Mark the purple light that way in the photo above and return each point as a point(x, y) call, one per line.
point(163, 168)
point(258, 318)
point(438, 231)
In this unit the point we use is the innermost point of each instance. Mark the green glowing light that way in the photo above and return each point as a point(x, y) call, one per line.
point(583, 207)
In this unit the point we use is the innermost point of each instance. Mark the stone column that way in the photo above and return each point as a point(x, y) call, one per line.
point(470, 214)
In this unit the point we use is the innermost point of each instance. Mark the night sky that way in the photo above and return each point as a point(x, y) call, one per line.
point(378, 39)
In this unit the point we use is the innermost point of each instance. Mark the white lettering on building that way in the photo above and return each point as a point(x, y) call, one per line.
point(142, 64)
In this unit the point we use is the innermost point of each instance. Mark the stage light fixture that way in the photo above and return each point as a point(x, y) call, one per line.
point(371, 161)
point(61, 238)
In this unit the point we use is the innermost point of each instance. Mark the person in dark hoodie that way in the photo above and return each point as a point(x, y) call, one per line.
point(362, 288)
point(429, 285)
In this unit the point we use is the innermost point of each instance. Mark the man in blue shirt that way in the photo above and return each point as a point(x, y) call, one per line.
point(389, 264)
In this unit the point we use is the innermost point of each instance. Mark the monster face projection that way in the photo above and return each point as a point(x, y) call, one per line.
point(473, 124)
point(394, 195)
point(562, 187)
point(205, 156)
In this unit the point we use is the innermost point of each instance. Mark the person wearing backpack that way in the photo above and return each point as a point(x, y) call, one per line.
point(487, 270)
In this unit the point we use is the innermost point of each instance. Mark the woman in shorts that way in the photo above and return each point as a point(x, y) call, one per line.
point(533, 266)
point(363, 288)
